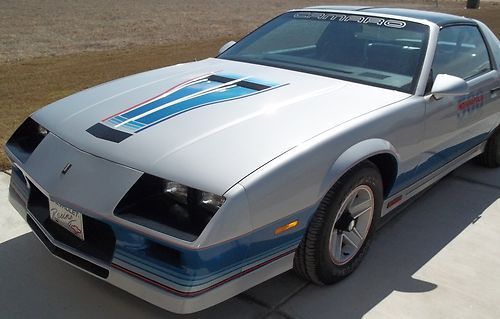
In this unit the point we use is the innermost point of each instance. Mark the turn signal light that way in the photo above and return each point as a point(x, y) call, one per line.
point(286, 227)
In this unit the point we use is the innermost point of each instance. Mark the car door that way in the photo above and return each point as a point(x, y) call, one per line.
point(455, 124)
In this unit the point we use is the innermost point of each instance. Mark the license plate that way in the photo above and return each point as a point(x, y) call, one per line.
point(67, 218)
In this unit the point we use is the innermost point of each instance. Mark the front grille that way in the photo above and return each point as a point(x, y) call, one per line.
point(99, 237)
point(75, 260)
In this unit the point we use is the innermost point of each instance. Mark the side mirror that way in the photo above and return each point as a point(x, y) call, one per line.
point(226, 46)
point(449, 85)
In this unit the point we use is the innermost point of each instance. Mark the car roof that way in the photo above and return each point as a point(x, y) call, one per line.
point(438, 18)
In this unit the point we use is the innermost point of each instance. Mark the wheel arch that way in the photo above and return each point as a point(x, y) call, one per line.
point(379, 151)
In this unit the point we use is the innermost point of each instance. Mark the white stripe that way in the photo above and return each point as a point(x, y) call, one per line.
point(182, 99)
point(197, 80)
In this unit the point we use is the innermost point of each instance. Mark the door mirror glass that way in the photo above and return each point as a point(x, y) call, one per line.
point(226, 46)
point(449, 85)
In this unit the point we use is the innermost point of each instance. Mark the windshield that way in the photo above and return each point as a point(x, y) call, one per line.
point(365, 49)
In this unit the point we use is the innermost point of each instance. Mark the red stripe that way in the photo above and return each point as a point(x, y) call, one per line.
point(148, 100)
point(394, 201)
point(199, 292)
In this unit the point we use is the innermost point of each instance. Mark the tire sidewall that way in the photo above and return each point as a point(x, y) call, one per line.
point(495, 148)
point(368, 175)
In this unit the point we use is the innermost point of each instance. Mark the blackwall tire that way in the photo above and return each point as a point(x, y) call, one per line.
point(341, 229)
point(491, 156)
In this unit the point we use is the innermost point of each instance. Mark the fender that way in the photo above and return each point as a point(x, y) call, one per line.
point(353, 156)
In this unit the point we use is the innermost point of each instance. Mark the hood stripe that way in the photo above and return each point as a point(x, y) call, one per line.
point(177, 101)
point(182, 84)
point(188, 95)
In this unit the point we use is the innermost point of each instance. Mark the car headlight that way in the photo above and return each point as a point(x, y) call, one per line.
point(176, 190)
point(169, 207)
point(180, 192)
point(42, 131)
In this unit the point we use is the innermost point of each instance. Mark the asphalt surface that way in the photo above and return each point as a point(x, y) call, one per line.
point(439, 258)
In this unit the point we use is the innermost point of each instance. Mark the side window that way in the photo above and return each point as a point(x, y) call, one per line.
point(461, 51)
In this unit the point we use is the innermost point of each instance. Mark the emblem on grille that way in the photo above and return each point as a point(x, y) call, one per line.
point(66, 168)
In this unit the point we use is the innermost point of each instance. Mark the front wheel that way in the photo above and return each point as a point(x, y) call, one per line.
point(342, 227)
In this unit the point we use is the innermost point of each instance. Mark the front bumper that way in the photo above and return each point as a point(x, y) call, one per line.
point(108, 267)
point(183, 277)
point(178, 279)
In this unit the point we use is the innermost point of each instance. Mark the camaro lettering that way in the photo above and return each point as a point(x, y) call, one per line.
point(351, 18)
point(320, 16)
point(395, 24)
point(354, 18)
point(378, 21)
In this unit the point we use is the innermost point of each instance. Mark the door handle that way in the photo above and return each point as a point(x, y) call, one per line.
point(494, 90)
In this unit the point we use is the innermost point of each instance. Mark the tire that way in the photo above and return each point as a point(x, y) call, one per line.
point(491, 156)
point(327, 253)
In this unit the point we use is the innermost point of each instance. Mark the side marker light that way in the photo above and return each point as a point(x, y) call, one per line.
point(286, 227)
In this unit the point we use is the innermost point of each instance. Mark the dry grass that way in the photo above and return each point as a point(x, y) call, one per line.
point(43, 59)
point(46, 27)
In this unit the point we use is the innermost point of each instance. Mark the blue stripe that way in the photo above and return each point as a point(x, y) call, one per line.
point(194, 88)
point(434, 162)
point(164, 113)
point(190, 281)
point(213, 97)
point(197, 267)
point(262, 82)
point(135, 124)
point(114, 120)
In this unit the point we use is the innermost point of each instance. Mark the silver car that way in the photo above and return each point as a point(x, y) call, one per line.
point(189, 184)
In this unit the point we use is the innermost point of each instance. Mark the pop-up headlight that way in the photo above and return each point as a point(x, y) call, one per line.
point(26, 138)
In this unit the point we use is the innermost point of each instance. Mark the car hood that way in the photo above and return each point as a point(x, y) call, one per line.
point(210, 123)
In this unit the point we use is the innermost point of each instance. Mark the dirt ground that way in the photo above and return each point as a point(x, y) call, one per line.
point(52, 48)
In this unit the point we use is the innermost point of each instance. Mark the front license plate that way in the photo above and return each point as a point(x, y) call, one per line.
point(67, 218)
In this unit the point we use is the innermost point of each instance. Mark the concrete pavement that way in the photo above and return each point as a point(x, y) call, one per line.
point(11, 224)
point(440, 258)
